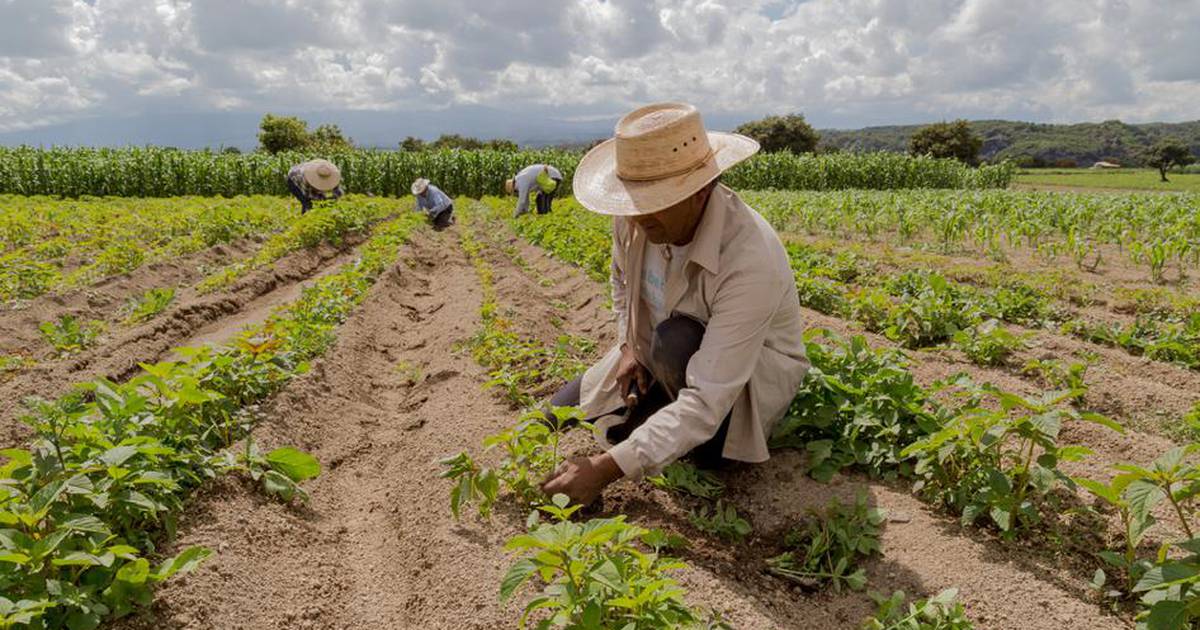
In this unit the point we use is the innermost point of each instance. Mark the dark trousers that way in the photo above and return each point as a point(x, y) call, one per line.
point(443, 219)
point(675, 341)
point(305, 202)
point(543, 202)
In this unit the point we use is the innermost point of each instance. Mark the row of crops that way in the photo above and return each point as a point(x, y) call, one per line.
point(1155, 231)
point(160, 172)
point(991, 457)
point(84, 506)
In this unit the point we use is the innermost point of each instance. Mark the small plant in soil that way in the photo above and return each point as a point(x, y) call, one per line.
point(827, 548)
point(683, 478)
point(70, 335)
point(10, 364)
point(602, 573)
point(721, 520)
point(940, 612)
point(280, 471)
point(1057, 375)
point(988, 344)
point(530, 454)
point(999, 460)
point(150, 304)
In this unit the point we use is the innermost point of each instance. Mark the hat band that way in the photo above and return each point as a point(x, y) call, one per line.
point(675, 173)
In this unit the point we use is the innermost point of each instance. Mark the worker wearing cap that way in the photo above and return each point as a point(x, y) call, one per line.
point(433, 202)
point(540, 178)
point(710, 347)
point(313, 180)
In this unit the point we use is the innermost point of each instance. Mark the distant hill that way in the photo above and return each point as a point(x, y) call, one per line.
point(1045, 144)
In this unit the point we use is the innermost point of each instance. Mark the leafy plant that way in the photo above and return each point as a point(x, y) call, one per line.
point(1059, 376)
point(989, 343)
point(682, 477)
point(280, 471)
point(722, 520)
point(857, 406)
point(70, 335)
point(998, 462)
point(940, 612)
point(827, 548)
point(596, 574)
point(12, 363)
point(530, 454)
point(151, 303)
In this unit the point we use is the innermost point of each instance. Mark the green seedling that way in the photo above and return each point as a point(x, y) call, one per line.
point(69, 335)
point(988, 344)
point(940, 612)
point(684, 478)
point(827, 548)
point(596, 574)
point(150, 304)
point(722, 520)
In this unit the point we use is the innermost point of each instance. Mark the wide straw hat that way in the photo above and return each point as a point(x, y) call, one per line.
point(420, 186)
point(322, 175)
point(661, 155)
point(510, 186)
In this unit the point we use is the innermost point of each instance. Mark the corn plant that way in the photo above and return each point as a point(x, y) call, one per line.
point(827, 548)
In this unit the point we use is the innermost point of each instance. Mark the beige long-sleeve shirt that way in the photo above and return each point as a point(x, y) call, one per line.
point(737, 281)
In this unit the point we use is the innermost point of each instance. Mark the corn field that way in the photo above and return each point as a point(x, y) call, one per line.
point(161, 172)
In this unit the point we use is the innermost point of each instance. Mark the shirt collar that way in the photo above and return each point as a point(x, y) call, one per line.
point(705, 248)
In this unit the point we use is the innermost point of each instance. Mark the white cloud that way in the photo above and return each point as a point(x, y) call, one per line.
point(843, 62)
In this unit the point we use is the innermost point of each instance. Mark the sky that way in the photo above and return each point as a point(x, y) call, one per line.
point(195, 72)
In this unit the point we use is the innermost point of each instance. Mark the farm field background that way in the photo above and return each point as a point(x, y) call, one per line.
point(361, 337)
point(1121, 179)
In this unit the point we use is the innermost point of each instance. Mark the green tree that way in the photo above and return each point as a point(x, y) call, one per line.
point(1166, 153)
point(779, 133)
point(947, 140)
point(282, 133)
point(500, 144)
point(329, 137)
point(412, 143)
point(455, 141)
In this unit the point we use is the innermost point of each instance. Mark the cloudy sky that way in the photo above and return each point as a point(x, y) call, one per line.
point(88, 65)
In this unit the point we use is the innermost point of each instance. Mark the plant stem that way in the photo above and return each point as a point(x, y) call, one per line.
point(1179, 512)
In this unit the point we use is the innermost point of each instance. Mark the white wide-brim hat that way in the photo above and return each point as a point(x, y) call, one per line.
point(420, 186)
point(322, 174)
point(661, 155)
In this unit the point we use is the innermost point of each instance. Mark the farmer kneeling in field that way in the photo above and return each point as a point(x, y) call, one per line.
point(433, 202)
point(312, 180)
point(542, 178)
point(710, 350)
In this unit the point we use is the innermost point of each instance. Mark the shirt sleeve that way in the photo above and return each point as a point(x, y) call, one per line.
point(716, 375)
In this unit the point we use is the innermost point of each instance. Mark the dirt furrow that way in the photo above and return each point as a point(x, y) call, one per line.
point(120, 351)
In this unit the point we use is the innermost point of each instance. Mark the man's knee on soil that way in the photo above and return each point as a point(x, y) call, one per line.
point(675, 340)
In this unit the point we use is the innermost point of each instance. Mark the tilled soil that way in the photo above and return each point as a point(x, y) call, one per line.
point(192, 319)
point(377, 547)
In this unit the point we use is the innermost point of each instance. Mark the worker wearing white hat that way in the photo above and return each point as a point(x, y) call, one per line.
point(710, 344)
point(434, 203)
point(313, 180)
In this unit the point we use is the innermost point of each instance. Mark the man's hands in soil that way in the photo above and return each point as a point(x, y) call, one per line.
point(630, 372)
point(583, 478)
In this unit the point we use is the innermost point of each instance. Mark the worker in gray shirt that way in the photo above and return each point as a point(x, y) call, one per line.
point(434, 203)
point(542, 178)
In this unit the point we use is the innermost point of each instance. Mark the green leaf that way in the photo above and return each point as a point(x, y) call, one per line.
point(1168, 615)
point(134, 572)
point(1166, 574)
point(296, 464)
point(517, 575)
point(183, 562)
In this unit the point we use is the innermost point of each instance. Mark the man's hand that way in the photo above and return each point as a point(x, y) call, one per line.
point(630, 372)
point(583, 478)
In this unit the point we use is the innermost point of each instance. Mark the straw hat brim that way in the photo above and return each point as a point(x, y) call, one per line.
point(323, 184)
point(598, 188)
point(420, 186)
